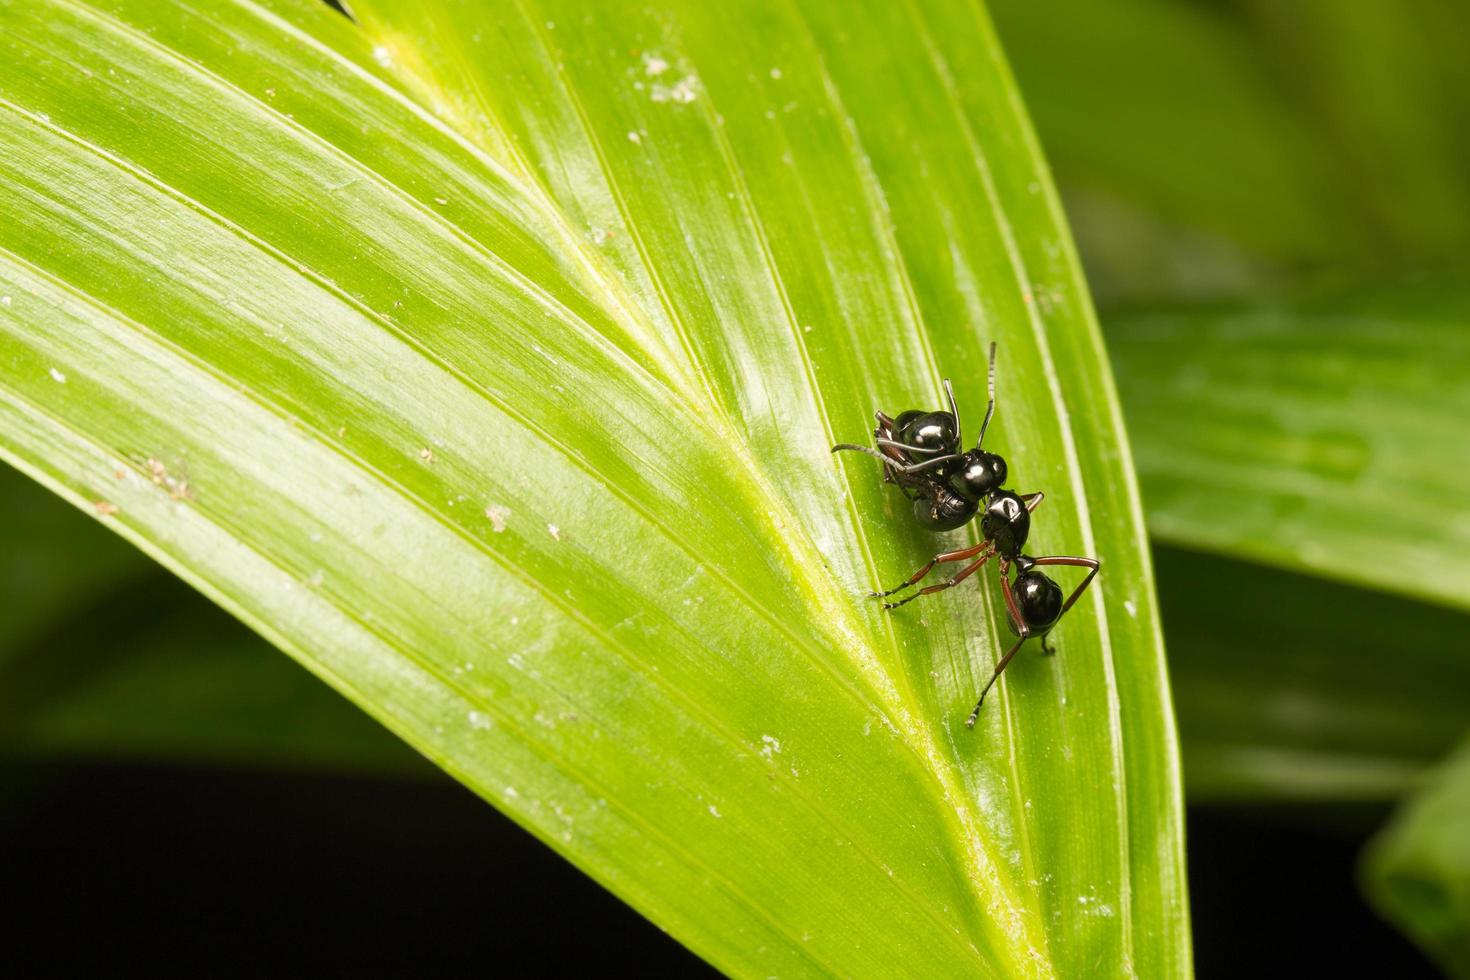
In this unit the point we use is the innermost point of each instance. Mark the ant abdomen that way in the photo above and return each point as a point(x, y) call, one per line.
point(1040, 602)
point(934, 432)
point(943, 510)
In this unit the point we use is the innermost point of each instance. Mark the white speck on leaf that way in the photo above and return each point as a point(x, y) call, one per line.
point(4, 300)
point(685, 91)
point(654, 65)
point(479, 721)
point(498, 516)
point(554, 531)
point(776, 74)
point(441, 200)
point(771, 746)
point(57, 376)
point(1132, 608)
point(634, 138)
point(713, 812)
point(427, 455)
point(383, 56)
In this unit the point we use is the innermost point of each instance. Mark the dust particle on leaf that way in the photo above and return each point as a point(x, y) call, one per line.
point(57, 376)
point(497, 516)
point(104, 508)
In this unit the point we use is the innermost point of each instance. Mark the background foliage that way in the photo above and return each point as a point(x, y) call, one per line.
point(1270, 205)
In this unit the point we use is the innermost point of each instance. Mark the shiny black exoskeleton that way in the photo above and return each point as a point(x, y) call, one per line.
point(921, 454)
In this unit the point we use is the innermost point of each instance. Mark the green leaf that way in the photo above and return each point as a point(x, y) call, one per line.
point(104, 655)
point(1417, 871)
point(1312, 691)
point(1326, 436)
point(1227, 149)
point(1176, 97)
point(51, 561)
point(487, 360)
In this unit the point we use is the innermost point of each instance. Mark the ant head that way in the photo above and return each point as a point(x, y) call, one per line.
point(1006, 522)
point(978, 475)
point(934, 431)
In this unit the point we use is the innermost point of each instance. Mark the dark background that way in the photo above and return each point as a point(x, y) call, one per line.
point(191, 871)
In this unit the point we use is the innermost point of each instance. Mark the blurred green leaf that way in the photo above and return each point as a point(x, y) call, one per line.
point(51, 560)
point(103, 654)
point(1326, 436)
point(1168, 105)
point(1292, 687)
point(1228, 149)
point(509, 417)
point(1417, 871)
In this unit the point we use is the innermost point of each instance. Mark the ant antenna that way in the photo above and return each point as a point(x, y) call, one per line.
point(953, 410)
point(989, 409)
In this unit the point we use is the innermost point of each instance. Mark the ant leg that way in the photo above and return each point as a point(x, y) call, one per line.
point(890, 461)
point(1021, 628)
point(948, 583)
point(1046, 648)
point(955, 411)
point(999, 668)
point(1091, 563)
point(989, 409)
point(1002, 570)
point(895, 444)
point(1032, 501)
point(929, 565)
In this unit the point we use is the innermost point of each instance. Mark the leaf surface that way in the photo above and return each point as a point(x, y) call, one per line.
point(487, 360)
point(1417, 871)
point(1326, 436)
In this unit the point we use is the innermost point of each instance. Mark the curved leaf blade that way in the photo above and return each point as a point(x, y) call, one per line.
point(1417, 870)
point(1325, 436)
point(557, 507)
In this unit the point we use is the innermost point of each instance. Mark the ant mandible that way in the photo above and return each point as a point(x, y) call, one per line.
point(921, 453)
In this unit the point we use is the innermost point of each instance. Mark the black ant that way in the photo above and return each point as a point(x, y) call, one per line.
point(921, 453)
